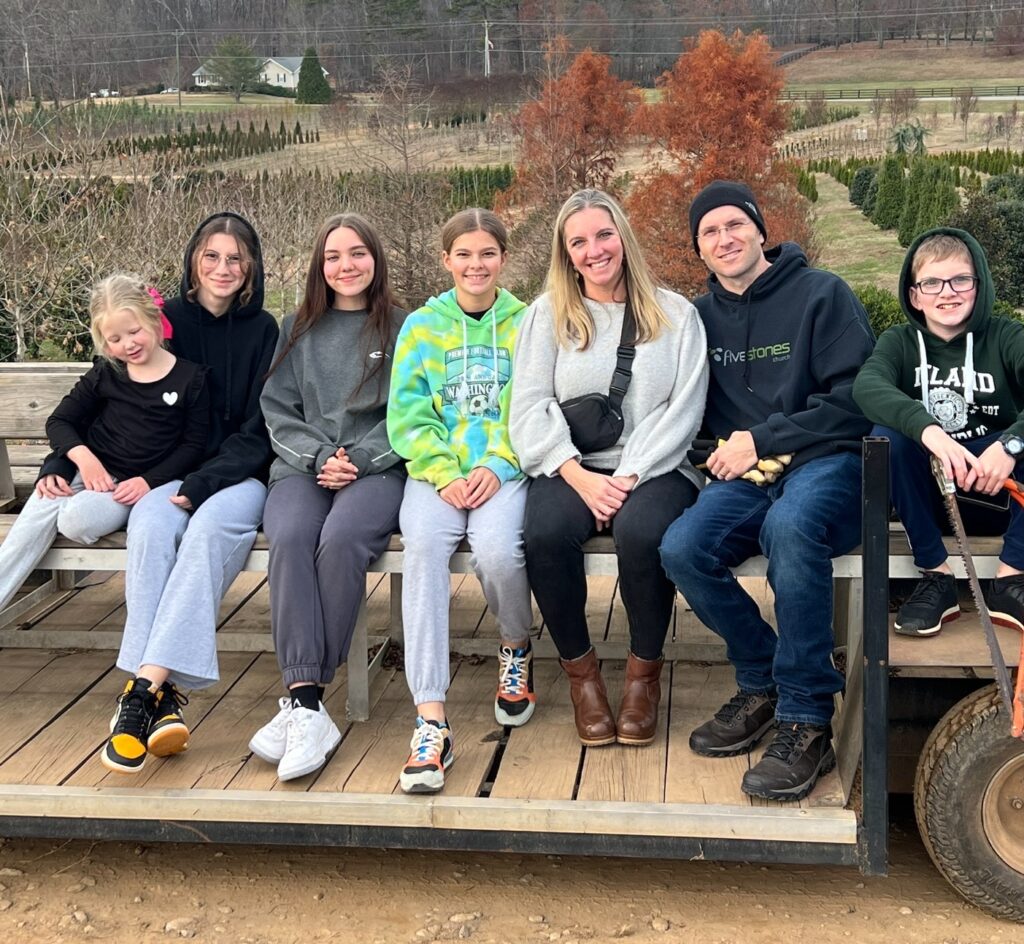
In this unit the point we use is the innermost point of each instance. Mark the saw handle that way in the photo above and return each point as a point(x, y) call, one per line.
point(1016, 492)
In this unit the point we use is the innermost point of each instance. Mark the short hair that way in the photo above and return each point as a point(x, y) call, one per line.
point(471, 220)
point(938, 248)
point(573, 322)
point(116, 293)
point(244, 235)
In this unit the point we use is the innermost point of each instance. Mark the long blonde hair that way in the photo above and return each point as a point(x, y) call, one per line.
point(573, 321)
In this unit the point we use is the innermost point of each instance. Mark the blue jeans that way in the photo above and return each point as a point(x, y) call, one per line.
point(800, 523)
point(917, 501)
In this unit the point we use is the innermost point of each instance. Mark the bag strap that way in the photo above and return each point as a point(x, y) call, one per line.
point(623, 372)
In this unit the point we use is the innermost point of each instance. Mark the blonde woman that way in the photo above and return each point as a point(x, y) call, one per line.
point(635, 487)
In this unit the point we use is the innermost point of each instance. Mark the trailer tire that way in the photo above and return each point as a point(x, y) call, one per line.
point(969, 803)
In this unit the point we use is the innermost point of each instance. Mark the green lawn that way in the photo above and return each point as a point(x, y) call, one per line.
point(850, 244)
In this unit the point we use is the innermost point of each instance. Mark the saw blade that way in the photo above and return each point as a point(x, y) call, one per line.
point(1002, 674)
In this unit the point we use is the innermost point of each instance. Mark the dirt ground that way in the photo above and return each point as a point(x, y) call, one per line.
point(69, 891)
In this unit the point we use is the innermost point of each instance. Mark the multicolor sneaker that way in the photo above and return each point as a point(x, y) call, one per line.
point(515, 701)
point(431, 756)
point(125, 750)
point(270, 741)
point(168, 734)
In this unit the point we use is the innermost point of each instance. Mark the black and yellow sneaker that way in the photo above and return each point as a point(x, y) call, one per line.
point(168, 734)
point(125, 750)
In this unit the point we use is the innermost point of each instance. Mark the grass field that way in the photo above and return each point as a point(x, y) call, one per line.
point(901, 64)
point(850, 244)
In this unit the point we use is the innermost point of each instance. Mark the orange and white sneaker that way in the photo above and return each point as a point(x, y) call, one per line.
point(432, 754)
point(515, 701)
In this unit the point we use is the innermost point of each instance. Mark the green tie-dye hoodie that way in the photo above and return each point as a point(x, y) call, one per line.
point(450, 389)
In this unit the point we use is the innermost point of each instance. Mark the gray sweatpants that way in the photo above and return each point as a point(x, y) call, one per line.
point(431, 531)
point(321, 542)
point(85, 516)
point(179, 568)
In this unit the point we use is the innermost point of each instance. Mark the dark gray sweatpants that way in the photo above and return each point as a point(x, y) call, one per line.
point(321, 542)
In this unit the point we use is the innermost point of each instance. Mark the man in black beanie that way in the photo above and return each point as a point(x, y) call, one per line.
point(785, 343)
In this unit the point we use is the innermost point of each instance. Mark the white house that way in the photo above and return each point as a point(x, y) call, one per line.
point(282, 71)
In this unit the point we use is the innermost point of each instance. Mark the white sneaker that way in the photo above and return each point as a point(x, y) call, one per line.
point(269, 742)
point(311, 737)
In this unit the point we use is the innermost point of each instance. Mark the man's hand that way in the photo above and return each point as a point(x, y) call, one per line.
point(994, 468)
point(130, 491)
point(736, 456)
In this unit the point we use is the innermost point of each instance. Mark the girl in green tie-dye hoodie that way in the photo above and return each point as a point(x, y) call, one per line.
point(448, 417)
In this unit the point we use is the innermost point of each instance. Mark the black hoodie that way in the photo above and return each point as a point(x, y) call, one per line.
point(783, 357)
point(237, 347)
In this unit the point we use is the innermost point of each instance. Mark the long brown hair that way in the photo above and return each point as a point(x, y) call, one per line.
point(319, 296)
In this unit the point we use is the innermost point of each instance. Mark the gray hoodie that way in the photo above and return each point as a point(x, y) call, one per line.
point(313, 402)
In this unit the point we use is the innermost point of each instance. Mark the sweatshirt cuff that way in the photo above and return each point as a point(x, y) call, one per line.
point(502, 468)
point(558, 456)
point(763, 440)
point(195, 490)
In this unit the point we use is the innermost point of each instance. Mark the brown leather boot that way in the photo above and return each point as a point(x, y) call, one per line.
point(594, 722)
point(638, 713)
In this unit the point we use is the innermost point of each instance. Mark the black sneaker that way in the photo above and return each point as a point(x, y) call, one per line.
point(125, 750)
point(736, 727)
point(168, 734)
point(1005, 599)
point(797, 756)
point(933, 602)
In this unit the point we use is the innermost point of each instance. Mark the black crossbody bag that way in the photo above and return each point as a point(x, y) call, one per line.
point(595, 419)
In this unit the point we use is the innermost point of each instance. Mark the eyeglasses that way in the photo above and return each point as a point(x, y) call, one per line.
point(959, 284)
point(729, 229)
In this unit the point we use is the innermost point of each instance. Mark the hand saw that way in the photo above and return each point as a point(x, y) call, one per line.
point(1002, 675)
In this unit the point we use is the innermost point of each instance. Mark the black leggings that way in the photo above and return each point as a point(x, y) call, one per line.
point(558, 522)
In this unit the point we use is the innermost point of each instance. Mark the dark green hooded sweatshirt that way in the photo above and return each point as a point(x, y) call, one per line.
point(970, 386)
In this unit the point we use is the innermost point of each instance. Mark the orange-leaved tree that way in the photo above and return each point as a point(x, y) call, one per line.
point(573, 133)
point(718, 117)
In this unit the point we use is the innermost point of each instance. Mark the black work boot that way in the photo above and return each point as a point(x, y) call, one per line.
point(736, 727)
point(798, 755)
point(933, 602)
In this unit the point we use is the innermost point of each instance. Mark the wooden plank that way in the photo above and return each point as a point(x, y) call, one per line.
point(541, 760)
point(622, 772)
point(697, 693)
point(961, 643)
point(788, 824)
point(40, 741)
point(182, 770)
point(28, 397)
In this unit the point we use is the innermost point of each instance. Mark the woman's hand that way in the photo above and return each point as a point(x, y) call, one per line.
point(455, 493)
point(957, 463)
point(994, 468)
point(53, 486)
point(182, 502)
point(604, 495)
point(482, 484)
point(337, 472)
point(94, 476)
point(130, 491)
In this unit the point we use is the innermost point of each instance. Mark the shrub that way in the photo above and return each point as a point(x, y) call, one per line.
point(862, 179)
point(882, 306)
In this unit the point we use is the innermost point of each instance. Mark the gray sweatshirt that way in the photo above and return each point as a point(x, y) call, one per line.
point(662, 409)
point(310, 401)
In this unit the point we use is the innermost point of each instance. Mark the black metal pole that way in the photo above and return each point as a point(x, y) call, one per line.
point(874, 830)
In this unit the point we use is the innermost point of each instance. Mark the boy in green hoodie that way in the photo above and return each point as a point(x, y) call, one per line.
point(951, 384)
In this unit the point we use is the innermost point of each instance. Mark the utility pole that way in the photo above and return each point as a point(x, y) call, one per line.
point(488, 45)
point(177, 61)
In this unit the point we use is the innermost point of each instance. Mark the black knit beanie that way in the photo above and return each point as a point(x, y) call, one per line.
point(721, 193)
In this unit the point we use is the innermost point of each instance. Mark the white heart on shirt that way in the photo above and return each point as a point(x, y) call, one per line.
point(171, 398)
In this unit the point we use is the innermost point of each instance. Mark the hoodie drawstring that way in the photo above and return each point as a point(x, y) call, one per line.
point(970, 381)
point(492, 390)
